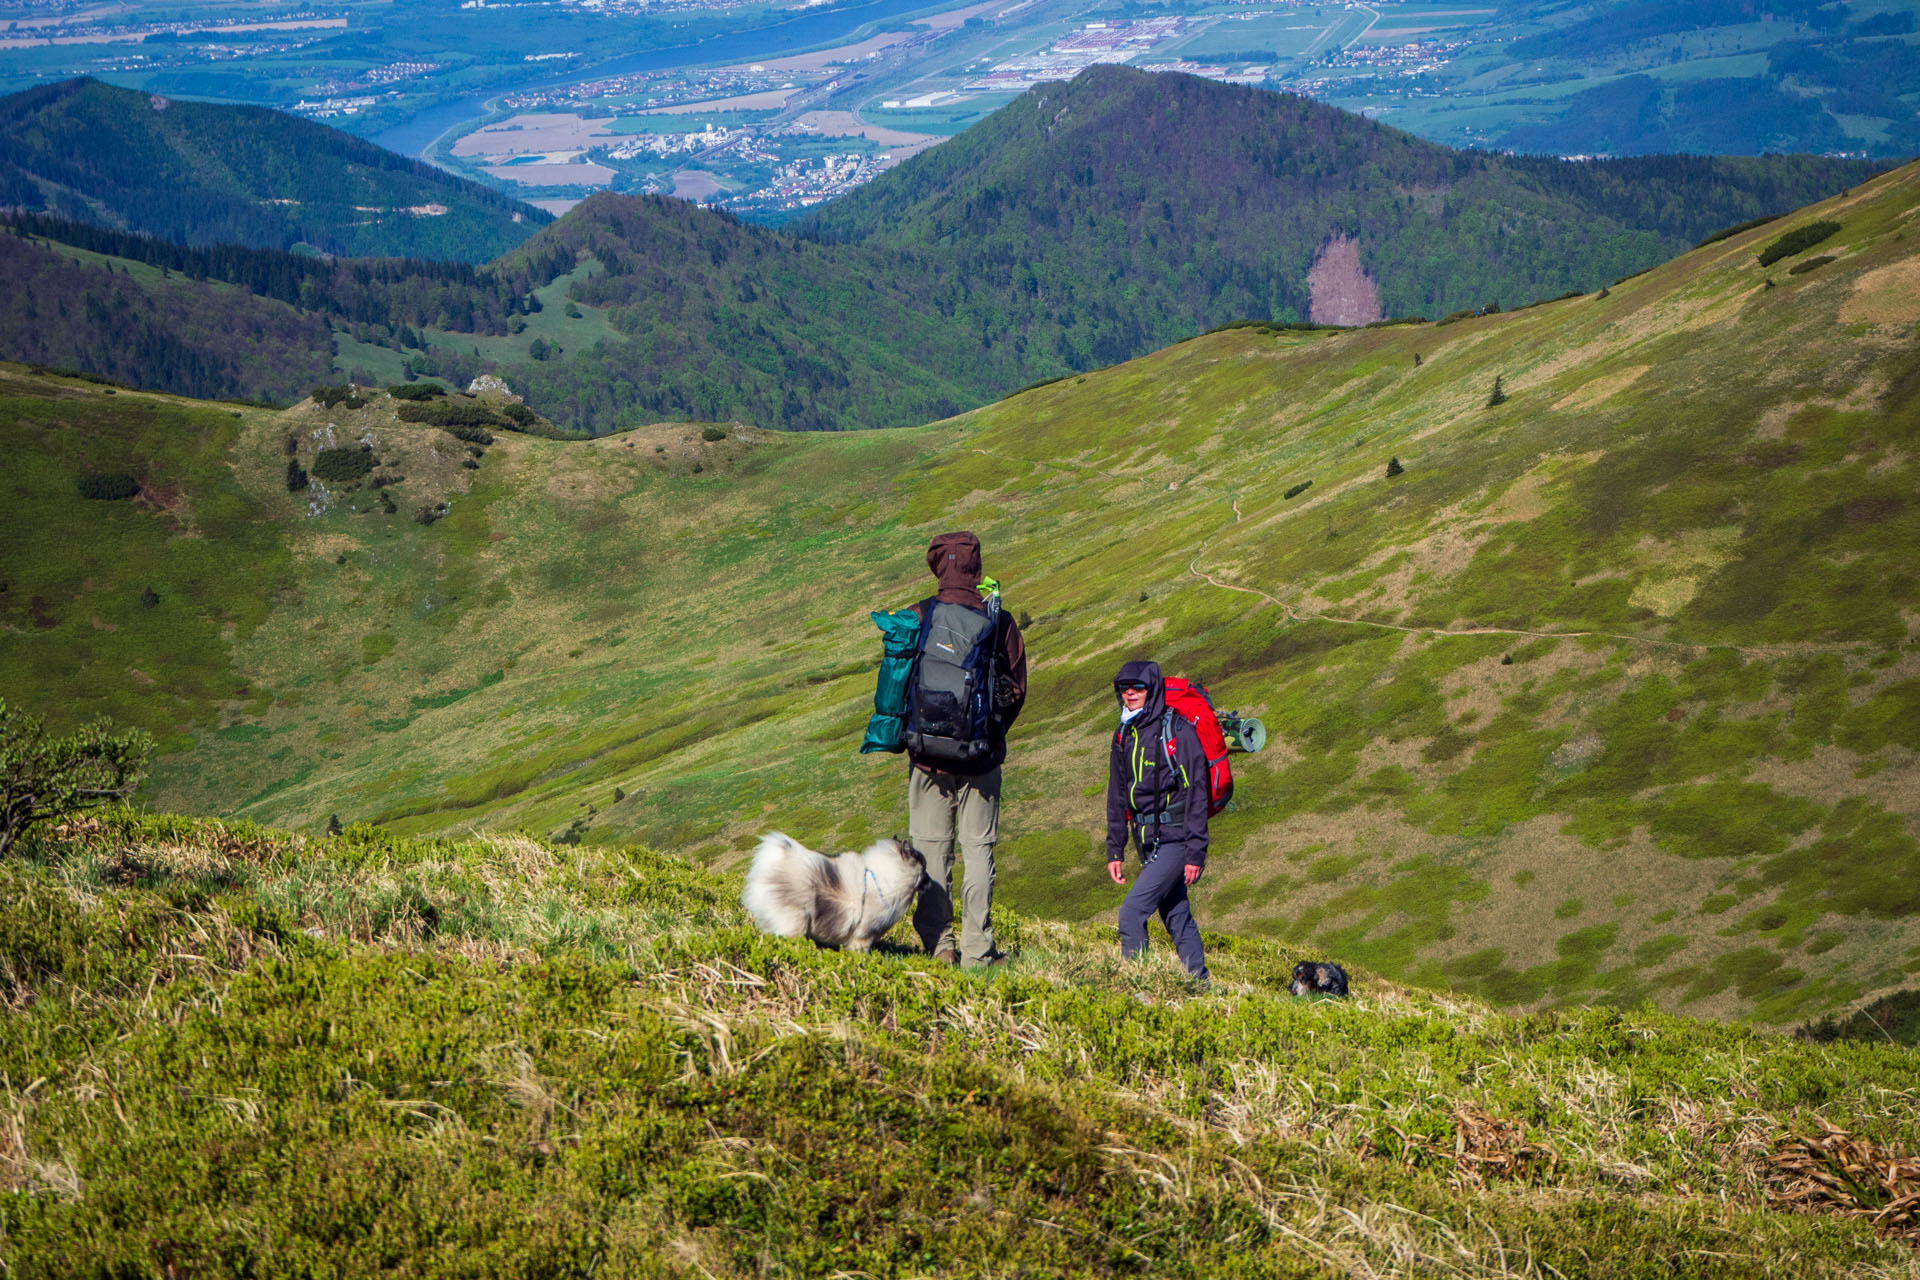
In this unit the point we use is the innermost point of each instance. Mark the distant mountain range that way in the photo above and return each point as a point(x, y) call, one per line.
point(199, 173)
point(1082, 225)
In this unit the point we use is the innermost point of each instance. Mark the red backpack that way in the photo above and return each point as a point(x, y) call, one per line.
point(1191, 702)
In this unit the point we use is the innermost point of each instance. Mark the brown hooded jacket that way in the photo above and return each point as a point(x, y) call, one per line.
point(954, 561)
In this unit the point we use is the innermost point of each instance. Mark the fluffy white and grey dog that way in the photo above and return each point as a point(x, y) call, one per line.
point(847, 901)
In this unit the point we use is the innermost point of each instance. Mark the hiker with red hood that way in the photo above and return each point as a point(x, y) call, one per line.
point(1157, 793)
point(968, 685)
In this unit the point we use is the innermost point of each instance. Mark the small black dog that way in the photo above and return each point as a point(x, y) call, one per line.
point(1312, 978)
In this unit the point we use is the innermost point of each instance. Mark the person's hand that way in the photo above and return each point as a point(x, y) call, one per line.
point(1194, 873)
point(1118, 870)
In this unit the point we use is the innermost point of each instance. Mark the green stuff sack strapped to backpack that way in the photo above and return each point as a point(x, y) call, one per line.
point(899, 643)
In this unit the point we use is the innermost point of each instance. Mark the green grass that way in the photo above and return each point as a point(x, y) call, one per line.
point(551, 324)
point(496, 1056)
point(1643, 633)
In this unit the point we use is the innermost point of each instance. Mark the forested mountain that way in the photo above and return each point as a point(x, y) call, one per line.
point(204, 173)
point(681, 313)
point(719, 319)
point(169, 332)
point(1085, 224)
point(1124, 210)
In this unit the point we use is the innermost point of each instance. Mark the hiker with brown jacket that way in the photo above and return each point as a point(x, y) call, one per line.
point(969, 684)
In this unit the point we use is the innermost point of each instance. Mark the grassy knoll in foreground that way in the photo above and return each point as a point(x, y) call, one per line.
point(230, 1050)
point(1611, 695)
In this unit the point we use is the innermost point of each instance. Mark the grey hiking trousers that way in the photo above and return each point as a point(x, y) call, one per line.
point(1160, 889)
point(941, 806)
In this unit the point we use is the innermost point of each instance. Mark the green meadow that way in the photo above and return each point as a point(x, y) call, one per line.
point(234, 1051)
point(1610, 698)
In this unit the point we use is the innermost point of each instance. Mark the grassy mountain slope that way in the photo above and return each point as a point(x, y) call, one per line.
point(233, 1051)
point(1124, 210)
point(209, 173)
point(1611, 696)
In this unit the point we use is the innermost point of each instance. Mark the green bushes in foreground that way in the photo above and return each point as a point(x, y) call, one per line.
point(496, 1057)
point(43, 778)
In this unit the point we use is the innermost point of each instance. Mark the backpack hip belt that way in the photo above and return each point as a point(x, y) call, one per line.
point(1143, 823)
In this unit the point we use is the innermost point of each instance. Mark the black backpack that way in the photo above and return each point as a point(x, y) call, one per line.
point(950, 697)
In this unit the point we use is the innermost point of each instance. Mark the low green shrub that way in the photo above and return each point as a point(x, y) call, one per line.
point(1297, 490)
point(534, 1060)
point(107, 486)
point(343, 465)
point(62, 371)
point(417, 391)
point(296, 476)
point(1727, 233)
point(43, 778)
point(1798, 240)
point(1811, 264)
point(711, 434)
point(1890, 1019)
point(460, 412)
point(344, 394)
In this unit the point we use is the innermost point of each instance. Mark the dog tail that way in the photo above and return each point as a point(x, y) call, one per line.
point(762, 897)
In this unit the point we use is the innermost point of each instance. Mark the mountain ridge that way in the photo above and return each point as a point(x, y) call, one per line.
point(201, 174)
point(675, 311)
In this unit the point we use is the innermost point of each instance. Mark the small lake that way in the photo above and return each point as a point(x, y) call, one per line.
point(806, 31)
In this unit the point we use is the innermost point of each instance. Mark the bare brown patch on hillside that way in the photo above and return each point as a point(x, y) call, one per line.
point(1484, 687)
point(1524, 499)
point(1887, 295)
point(1832, 774)
point(1675, 569)
point(1279, 848)
point(573, 482)
point(1556, 867)
point(1340, 289)
point(1602, 389)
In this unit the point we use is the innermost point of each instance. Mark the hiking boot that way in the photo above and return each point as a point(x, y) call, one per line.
point(946, 955)
point(998, 960)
